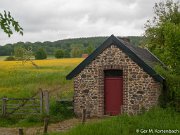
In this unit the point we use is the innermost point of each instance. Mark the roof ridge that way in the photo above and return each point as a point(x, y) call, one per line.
point(108, 42)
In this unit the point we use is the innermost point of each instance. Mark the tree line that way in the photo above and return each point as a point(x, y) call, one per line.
point(63, 48)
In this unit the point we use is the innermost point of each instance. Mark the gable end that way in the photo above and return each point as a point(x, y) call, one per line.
point(119, 43)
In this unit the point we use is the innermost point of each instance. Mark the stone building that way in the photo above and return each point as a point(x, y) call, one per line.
point(116, 78)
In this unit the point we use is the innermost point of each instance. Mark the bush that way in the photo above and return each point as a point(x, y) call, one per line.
point(10, 58)
point(59, 54)
point(171, 91)
point(60, 111)
point(40, 54)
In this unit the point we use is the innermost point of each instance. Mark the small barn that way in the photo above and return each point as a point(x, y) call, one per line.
point(116, 78)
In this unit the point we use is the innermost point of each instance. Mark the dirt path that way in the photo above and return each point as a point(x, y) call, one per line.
point(61, 126)
point(57, 127)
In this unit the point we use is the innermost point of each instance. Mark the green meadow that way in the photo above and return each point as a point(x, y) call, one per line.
point(24, 80)
point(152, 121)
point(18, 80)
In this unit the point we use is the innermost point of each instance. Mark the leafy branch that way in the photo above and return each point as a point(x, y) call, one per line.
point(7, 22)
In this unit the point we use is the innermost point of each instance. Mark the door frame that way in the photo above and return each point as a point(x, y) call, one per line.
point(121, 76)
point(100, 87)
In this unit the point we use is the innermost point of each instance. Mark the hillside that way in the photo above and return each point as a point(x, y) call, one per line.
point(72, 47)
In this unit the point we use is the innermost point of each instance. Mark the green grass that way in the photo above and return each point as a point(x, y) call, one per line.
point(57, 113)
point(17, 80)
point(156, 118)
point(3, 57)
point(23, 81)
point(28, 121)
point(51, 57)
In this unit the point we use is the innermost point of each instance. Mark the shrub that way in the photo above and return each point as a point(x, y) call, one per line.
point(60, 111)
point(40, 54)
point(59, 54)
point(171, 88)
point(10, 58)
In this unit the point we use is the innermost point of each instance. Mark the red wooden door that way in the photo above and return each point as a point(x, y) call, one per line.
point(113, 95)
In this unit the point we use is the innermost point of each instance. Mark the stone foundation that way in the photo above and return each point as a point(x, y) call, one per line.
point(140, 90)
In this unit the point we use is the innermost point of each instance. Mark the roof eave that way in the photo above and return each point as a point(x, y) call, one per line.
point(140, 62)
point(113, 40)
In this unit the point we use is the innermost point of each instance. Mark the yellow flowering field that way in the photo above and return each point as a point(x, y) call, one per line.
point(49, 63)
point(22, 80)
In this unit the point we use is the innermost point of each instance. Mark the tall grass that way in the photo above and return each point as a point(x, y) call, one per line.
point(156, 118)
point(18, 80)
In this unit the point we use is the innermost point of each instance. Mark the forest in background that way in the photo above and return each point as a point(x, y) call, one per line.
point(71, 47)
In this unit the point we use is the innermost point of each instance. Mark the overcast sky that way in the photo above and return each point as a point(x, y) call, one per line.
point(50, 20)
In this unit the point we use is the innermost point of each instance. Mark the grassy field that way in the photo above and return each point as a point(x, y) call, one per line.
point(156, 119)
point(18, 80)
point(23, 80)
point(3, 57)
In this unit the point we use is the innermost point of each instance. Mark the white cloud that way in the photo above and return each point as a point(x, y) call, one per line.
point(49, 20)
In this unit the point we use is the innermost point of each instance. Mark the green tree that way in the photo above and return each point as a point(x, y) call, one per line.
point(19, 53)
point(76, 50)
point(7, 22)
point(40, 54)
point(67, 53)
point(59, 54)
point(89, 49)
point(162, 34)
point(24, 55)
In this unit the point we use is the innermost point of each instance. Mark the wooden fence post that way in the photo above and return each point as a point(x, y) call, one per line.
point(4, 99)
point(46, 97)
point(46, 122)
point(83, 116)
point(41, 101)
point(21, 131)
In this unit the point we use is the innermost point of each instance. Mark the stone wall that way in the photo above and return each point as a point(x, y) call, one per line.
point(140, 90)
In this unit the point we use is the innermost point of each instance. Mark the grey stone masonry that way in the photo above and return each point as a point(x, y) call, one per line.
point(140, 90)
